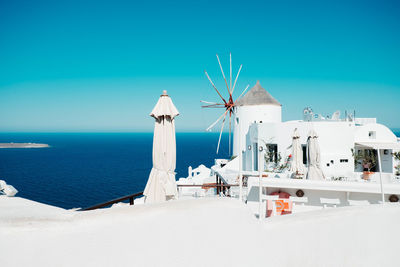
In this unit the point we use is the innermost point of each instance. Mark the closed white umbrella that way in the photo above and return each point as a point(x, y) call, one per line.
point(161, 185)
point(314, 171)
point(296, 164)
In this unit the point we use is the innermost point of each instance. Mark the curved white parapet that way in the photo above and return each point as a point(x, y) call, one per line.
point(7, 189)
point(374, 132)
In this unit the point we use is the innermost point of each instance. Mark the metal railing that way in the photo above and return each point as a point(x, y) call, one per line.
point(117, 200)
point(207, 185)
point(220, 188)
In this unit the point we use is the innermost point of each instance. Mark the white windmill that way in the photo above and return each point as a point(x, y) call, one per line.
point(228, 105)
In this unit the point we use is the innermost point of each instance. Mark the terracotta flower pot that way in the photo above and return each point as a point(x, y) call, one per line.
point(366, 175)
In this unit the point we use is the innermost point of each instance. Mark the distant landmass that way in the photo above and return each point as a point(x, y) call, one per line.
point(22, 145)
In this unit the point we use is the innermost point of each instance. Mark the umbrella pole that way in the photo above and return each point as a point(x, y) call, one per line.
point(380, 176)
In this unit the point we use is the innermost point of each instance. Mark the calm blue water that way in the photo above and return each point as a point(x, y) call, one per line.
point(81, 170)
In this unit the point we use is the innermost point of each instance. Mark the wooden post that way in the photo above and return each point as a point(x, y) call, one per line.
point(217, 183)
point(220, 183)
point(131, 201)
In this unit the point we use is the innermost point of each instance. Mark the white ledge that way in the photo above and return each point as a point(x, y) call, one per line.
point(361, 187)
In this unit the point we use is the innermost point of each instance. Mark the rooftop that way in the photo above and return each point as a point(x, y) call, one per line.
point(257, 96)
point(148, 235)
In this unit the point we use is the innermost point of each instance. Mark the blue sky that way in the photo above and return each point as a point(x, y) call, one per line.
point(101, 65)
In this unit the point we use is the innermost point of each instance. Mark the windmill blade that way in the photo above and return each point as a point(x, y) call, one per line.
point(230, 133)
point(230, 73)
point(234, 84)
point(245, 89)
point(214, 106)
point(214, 86)
point(212, 125)
point(208, 102)
point(223, 74)
point(220, 133)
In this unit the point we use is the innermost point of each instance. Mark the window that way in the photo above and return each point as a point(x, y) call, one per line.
point(304, 147)
point(272, 153)
point(372, 135)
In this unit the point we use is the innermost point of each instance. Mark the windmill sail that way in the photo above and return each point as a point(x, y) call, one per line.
point(228, 104)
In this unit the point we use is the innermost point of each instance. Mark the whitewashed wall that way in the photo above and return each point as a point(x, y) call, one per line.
point(383, 133)
point(335, 138)
point(247, 115)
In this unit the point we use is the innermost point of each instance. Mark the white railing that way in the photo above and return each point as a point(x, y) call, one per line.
point(375, 177)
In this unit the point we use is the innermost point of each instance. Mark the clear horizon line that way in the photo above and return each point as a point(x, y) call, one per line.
point(94, 132)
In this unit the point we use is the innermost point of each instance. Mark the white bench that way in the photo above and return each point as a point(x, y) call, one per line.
point(353, 202)
point(296, 200)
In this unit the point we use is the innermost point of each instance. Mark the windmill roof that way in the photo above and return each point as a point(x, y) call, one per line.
point(257, 96)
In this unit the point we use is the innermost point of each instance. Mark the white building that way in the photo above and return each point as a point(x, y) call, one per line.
point(355, 162)
point(261, 125)
point(256, 106)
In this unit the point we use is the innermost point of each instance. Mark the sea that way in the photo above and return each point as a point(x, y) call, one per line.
point(79, 170)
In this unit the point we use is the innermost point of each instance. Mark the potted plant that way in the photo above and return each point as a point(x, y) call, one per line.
point(285, 165)
point(368, 160)
point(397, 171)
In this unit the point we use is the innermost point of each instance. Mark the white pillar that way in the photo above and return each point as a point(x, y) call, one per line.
point(259, 184)
point(190, 172)
point(240, 168)
point(380, 176)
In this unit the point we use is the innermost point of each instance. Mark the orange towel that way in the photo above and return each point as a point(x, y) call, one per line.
point(282, 206)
